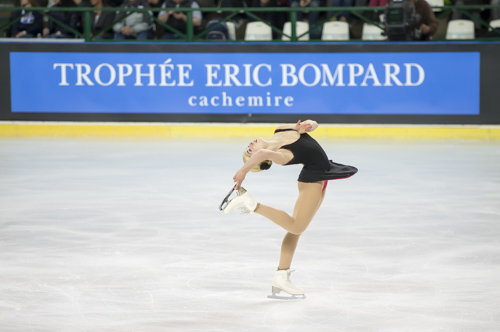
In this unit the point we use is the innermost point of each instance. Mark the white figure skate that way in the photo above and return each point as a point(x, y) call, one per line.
point(243, 201)
point(282, 282)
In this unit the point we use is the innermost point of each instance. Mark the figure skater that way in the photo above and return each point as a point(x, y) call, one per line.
point(290, 145)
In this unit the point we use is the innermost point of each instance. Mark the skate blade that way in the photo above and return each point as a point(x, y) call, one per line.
point(225, 202)
point(291, 297)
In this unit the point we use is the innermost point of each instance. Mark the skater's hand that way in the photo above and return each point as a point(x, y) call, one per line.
point(238, 178)
point(303, 127)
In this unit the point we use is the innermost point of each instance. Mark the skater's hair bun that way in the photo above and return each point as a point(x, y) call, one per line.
point(266, 164)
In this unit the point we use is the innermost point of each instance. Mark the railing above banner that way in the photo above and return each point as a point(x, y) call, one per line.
point(360, 15)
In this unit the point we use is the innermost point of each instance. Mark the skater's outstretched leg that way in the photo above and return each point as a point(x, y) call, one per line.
point(308, 202)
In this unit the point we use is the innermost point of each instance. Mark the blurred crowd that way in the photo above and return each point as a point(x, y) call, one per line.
point(143, 25)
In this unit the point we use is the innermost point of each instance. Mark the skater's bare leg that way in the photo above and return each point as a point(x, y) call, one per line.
point(288, 247)
point(290, 244)
point(310, 196)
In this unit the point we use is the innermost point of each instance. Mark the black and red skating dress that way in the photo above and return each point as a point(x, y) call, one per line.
point(317, 167)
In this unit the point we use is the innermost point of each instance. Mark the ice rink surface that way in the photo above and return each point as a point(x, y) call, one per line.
point(125, 235)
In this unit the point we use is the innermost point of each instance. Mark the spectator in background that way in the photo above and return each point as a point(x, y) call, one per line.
point(109, 3)
point(428, 23)
point(268, 17)
point(377, 3)
point(69, 18)
point(30, 24)
point(495, 12)
point(100, 20)
point(476, 12)
point(494, 15)
point(82, 3)
point(276, 19)
point(115, 3)
point(240, 17)
point(342, 16)
point(423, 29)
point(133, 26)
point(281, 16)
point(178, 20)
point(312, 16)
point(155, 4)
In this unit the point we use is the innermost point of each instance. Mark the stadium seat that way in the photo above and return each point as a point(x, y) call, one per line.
point(335, 31)
point(231, 30)
point(372, 32)
point(301, 28)
point(460, 29)
point(495, 24)
point(258, 31)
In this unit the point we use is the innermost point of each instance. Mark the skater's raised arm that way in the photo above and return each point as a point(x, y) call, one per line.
point(258, 161)
point(260, 154)
point(301, 126)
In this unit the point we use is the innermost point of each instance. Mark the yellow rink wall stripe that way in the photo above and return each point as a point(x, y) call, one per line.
point(201, 130)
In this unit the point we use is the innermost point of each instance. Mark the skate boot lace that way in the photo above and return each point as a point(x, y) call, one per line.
point(289, 283)
point(245, 210)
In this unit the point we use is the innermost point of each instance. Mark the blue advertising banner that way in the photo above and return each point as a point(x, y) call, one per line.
point(441, 83)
